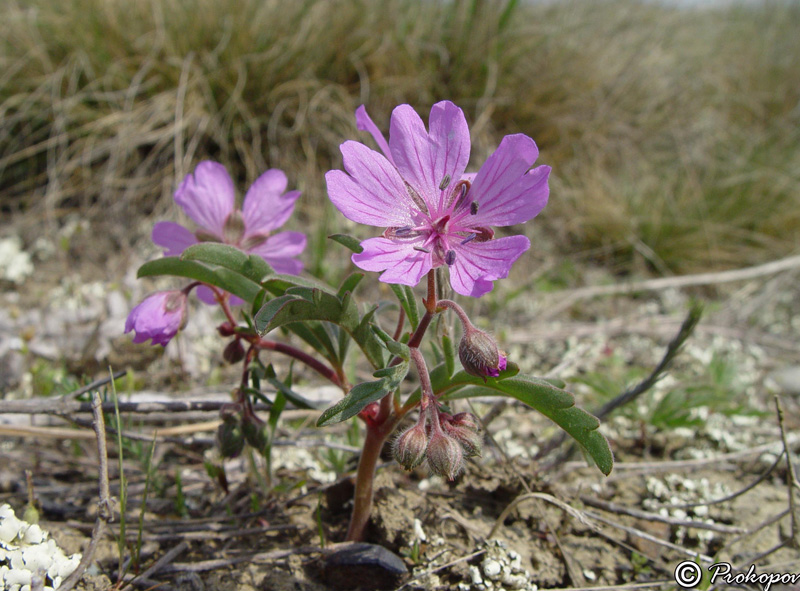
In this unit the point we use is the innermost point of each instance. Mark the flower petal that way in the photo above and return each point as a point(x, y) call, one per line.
point(478, 264)
point(172, 237)
point(207, 196)
point(423, 160)
point(399, 261)
point(266, 207)
point(373, 193)
point(280, 245)
point(364, 123)
point(450, 135)
point(507, 193)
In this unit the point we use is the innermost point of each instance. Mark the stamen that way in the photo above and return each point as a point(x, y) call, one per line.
point(419, 201)
point(450, 257)
point(404, 231)
point(470, 237)
point(473, 208)
point(421, 249)
point(444, 183)
point(461, 190)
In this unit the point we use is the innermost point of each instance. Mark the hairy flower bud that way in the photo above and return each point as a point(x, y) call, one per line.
point(234, 352)
point(256, 433)
point(230, 439)
point(470, 438)
point(409, 447)
point(445, 455)
point(479, 354)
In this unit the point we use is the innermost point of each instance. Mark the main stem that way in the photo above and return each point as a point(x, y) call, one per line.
point(378, 431)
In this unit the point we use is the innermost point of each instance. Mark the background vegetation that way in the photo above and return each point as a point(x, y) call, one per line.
point(673, 133)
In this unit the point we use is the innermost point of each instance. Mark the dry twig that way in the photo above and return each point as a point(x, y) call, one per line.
point(105, 512)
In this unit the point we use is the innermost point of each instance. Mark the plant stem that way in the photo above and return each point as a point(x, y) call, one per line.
point(365, 477)
point(302, 356)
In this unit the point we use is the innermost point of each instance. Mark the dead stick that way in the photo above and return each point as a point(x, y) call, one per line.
point(105, 510)
point(619, 509)
point(69, 407)
point(570, 297)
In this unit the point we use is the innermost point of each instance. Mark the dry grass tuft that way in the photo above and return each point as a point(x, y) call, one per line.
point(673, 134)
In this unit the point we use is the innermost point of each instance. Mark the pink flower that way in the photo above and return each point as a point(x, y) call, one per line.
point(434, 213)
point(208, 198)
point(158, 317)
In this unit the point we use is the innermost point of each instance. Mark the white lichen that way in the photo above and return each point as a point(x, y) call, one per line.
point(25, 550)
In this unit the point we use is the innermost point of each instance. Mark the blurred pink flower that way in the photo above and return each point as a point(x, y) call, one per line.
point(208, 197)
point(434, 213)
point(158, 317)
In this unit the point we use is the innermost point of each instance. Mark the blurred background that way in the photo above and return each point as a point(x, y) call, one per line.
point(672, 128)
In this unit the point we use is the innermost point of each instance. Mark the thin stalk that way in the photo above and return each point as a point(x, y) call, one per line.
point(365, 477)
point(322, 369)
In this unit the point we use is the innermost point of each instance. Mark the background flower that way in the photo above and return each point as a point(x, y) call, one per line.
point(208, 197)
point(434, 213)
point(158, 317)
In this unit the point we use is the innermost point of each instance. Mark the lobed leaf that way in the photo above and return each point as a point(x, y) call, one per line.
point(221, 277)
point(363, 394)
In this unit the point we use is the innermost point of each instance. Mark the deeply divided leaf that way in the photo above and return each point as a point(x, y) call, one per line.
point(363, 394)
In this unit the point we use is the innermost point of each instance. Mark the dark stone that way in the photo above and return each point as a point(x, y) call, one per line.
point(364, 566)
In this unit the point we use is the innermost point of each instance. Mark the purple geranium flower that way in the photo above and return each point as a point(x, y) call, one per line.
point(208, 197)
point(158, 317)
point(434, 213)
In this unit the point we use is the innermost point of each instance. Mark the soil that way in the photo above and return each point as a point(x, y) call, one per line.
point(708, 485)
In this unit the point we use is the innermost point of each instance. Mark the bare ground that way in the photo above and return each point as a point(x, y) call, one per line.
point(709, 484)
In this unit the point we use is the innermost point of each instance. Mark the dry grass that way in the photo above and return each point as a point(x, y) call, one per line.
point(673, 134)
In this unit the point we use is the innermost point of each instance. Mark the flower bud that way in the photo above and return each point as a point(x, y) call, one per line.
point(409, 447)
point(256, 433)
point(479, 354)
point(226, 329)
point(234, 352)
point(158, 317)
point(471, 440)
point(230, 439)
point(445, 455)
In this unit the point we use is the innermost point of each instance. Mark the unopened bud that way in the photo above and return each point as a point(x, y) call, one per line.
point(256, 433)
point(230, 439)
point(470, 439)
point(445, 455)
point(234, 352)
point(409, 447)
point(479, 354)
point(226, 329)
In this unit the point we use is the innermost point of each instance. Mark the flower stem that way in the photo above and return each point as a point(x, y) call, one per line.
point(465, 321)
point(325, 371)
point(376, 436)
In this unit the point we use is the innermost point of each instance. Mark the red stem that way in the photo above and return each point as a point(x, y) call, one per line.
point(302, 356)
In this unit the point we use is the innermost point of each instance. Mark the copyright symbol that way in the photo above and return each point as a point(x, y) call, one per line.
point(688, 574)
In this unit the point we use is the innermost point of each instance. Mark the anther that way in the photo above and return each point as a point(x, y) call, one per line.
point(421, 249)
point(450, 257)
point(444, 183)
point(473, 208)
point(404, 231)
point(470, 237)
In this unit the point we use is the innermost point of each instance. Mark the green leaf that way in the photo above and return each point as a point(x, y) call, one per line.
point(363, 394)
point(350, 283)
point(223, 255)
point(556, 404)
point(449, 349)
point(350, 242)
point(324, 307)
point(405, 295)
point(278, 284)
point(398, 349)
point(223, 278)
